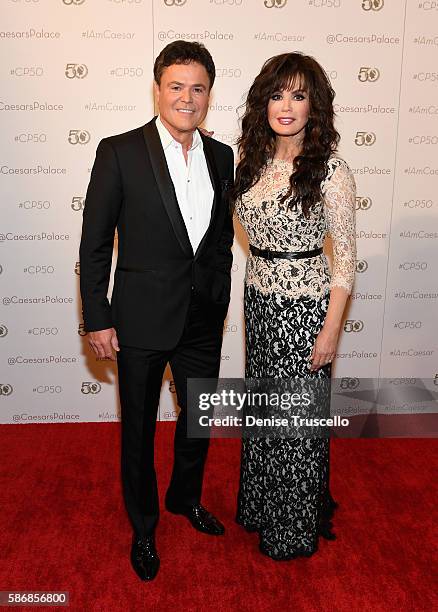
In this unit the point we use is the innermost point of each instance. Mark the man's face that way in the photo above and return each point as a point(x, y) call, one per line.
point(183, 96)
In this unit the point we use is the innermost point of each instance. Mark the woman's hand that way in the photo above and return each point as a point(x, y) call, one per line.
point(324, 349)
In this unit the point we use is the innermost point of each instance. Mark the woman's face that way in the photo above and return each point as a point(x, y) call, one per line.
point(288, 112)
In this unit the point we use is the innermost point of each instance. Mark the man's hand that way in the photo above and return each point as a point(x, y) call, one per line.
point(104, 342)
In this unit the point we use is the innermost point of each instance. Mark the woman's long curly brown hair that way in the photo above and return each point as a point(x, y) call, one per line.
point(257, 144)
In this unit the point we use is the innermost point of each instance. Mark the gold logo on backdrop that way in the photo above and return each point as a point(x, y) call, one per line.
point(174, 2)
point(76, 71)
point(91, 388)
point(368, 74)
point(77, 2)
point(373, 5)
point(363, 203)
point(275, 3)
point(5, 389)
point(361, 265)
point(81, 330)
point(352, 325)
point(77, 203)
point(349, 383)
point(79, 137)
point(365, 139)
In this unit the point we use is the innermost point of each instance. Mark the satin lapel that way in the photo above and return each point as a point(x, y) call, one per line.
point(165, 185)
point(215, 181)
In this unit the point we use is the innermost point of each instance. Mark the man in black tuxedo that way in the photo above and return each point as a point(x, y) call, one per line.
point(163, 186)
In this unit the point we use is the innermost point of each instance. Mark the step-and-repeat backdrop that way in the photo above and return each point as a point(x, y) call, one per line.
point(74, 71)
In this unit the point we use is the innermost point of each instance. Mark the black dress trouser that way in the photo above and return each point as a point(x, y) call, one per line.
point(197, 355)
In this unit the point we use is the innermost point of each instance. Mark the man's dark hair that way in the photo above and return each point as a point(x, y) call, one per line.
point(183, 52)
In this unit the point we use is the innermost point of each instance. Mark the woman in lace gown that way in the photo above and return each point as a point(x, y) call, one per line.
point(291, 190)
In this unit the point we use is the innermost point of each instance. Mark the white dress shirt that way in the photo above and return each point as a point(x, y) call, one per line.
point(192, 183)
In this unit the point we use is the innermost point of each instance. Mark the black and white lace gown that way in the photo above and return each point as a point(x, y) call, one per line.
point(284, 482)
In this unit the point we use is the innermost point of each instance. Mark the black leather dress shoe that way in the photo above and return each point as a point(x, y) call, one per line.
point(200, 518)
point(144, 557)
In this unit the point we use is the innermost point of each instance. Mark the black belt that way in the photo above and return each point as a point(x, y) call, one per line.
point(284, 255)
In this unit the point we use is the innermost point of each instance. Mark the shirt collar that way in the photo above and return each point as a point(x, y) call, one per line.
point(167, 139)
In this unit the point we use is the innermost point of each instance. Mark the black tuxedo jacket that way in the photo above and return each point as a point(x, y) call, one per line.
point(157, 272)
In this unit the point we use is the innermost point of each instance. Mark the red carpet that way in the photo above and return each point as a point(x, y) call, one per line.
point(63, 527)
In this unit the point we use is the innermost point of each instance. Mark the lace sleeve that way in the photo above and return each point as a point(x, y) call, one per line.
point(339, 192)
